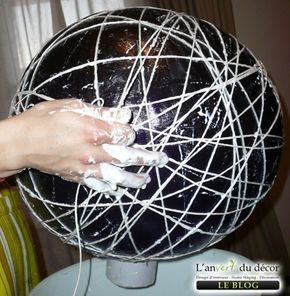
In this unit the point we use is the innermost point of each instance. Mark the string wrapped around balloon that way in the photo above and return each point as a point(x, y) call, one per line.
point(197, 94)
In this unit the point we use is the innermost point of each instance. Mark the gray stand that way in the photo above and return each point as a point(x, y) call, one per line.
point(131, 275)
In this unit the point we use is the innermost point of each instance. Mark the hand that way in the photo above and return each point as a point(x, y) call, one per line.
point(76, 141)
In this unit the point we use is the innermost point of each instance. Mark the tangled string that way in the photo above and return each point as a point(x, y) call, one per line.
point(195, 93)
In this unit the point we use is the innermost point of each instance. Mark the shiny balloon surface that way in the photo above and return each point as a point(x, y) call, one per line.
point(196, 94)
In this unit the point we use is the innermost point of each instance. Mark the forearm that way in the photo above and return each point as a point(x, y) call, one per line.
point(11, 146)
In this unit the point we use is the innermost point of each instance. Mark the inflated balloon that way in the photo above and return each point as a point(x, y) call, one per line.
point(196, 94)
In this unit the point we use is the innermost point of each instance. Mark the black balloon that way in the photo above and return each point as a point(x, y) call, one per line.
point(196, 94)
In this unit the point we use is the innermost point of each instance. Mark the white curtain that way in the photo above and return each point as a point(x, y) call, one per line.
point(26, 25)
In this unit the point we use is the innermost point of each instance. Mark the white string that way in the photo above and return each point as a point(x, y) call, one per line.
point(227, 74)
point(79, 241)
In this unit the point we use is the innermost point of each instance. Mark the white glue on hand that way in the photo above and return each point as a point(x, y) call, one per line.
point(128, 156)
point(122, 136)
point(103, 187)
point(121, 115)
point(117, 135)
point(111, 177)
point(116, 176)
point(97, 185)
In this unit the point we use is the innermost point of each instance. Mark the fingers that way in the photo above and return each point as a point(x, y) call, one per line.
point(106, 178)
point(108, 132)
point(115, 176)
point(123, 156)
point(105, 125)
point(109, 125)
point(121, 134)
point(102, 187)
point(121, 115)
point(127, 156)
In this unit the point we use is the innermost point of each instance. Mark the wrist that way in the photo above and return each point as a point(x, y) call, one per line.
point(12, 146)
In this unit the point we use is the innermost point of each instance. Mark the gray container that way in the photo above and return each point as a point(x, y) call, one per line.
point(175, 277)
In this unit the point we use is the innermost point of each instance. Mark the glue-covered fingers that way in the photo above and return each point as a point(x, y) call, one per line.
point(113, 177)
point(102, 187)
point(111, 132)
point(101, 124)
point(123, 156)
point(127, 156)
point(122, 115)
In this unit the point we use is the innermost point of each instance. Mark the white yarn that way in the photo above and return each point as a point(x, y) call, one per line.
point(222, 86)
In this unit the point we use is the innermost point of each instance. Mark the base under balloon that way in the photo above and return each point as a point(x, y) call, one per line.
point(130, 274)
point(174, 277)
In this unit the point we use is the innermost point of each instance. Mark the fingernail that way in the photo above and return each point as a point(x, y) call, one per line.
point(131, 137)
point(148, 179)
point(163, 160)
point(124, 115)
point(113, 186)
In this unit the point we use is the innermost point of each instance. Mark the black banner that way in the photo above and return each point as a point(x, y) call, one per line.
point(237, 285)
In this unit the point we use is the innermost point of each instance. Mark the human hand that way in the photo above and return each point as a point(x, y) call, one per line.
point(78, 142)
